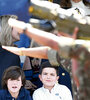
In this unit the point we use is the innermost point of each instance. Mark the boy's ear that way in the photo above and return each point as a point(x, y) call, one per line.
point(39, 76)
point(58, 77)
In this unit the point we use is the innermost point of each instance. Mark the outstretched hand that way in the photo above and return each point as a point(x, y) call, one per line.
point(74, 35)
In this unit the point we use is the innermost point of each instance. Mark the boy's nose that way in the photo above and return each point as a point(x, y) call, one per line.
point(48, 76)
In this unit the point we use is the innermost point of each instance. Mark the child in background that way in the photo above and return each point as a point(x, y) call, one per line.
point(13, 82)
point(51, 90)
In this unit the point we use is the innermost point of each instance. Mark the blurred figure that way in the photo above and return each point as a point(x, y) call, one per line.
point(8, 36)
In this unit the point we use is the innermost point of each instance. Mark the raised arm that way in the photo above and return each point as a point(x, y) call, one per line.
point(42, 37)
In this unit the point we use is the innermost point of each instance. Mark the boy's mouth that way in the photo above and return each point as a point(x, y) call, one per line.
point(14, 87)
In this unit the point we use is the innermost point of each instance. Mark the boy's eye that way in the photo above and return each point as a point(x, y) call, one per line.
point(18, 80)
point(52, 74)
point(44, 73)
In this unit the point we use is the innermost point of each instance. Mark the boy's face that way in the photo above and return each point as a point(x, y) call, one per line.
point(48, 77)
point(14, 85)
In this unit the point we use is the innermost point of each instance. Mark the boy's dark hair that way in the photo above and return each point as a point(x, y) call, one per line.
point(47, 64)
point(65, 4)
point(13, 73)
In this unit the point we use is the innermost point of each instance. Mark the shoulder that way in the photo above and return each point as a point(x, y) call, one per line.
point(64, 91)
point(25, 94)
point(63, 87)
point(25, 91)
point(3, 94)
point(38, 91)
point(2, 91)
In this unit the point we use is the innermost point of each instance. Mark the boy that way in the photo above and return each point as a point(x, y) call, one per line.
point(51, 90)
point(13, 82)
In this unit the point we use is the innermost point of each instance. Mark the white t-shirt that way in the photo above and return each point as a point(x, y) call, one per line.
point(59, 92)
point(84, 10)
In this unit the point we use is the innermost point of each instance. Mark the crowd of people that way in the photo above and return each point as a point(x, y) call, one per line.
point(54, 51)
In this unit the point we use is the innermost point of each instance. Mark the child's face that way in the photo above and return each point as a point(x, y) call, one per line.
point(14, 85)
point(48, 77)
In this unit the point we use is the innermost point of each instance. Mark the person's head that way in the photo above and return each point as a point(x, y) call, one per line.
point(67, 3)
point(49, 74)
point(8, 35)
point(13, 79)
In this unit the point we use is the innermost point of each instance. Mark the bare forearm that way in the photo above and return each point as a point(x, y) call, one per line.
point(42, 37)
point(38, 52)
